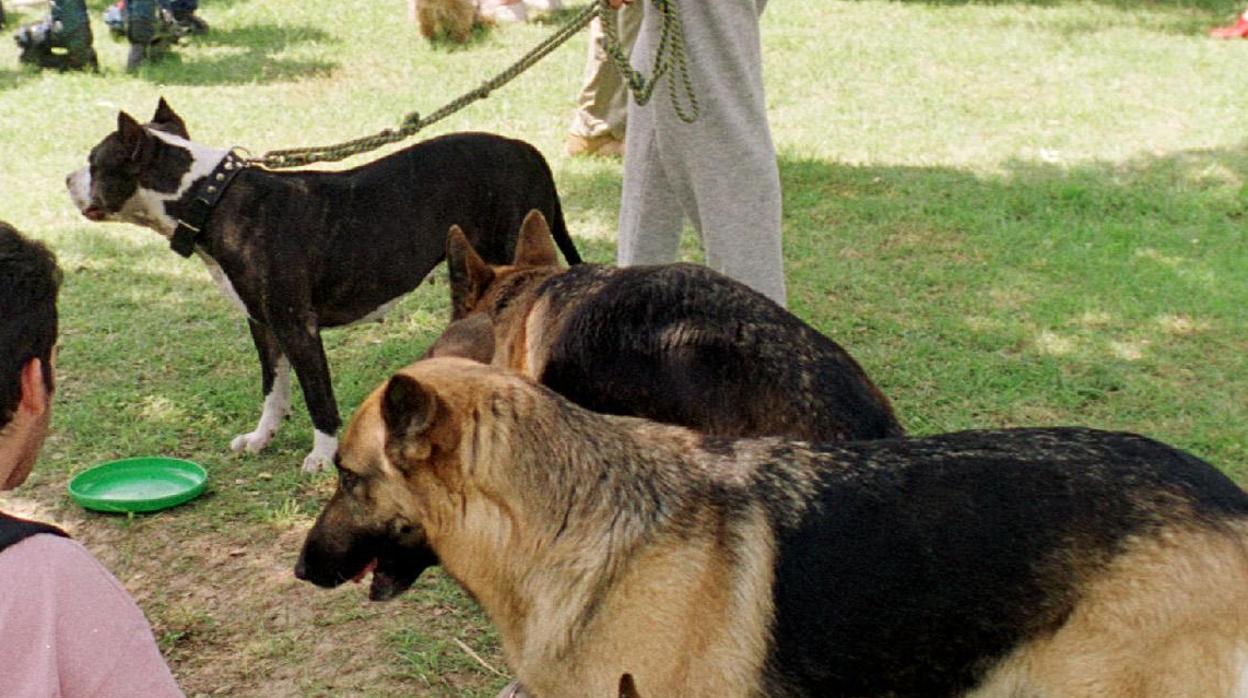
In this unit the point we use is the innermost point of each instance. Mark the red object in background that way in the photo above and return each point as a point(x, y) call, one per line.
point(1237, 30)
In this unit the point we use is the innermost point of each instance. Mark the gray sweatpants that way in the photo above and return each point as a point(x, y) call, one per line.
point(721, 170)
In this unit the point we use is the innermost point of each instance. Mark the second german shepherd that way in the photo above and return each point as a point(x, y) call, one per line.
point(677, 343)
point(1029, 562)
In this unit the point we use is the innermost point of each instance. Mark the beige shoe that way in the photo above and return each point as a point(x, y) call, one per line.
point(605, 145)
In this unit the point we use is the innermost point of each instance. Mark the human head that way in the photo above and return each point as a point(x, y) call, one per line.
point(29, 281)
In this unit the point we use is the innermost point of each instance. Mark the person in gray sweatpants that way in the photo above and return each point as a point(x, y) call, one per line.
point(720, 171)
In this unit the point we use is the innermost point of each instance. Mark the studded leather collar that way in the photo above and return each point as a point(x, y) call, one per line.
point(186, 234)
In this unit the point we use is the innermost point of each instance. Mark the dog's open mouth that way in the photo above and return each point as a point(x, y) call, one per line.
point(394, 573)
point(359, 577)
point(94, 213)
point(384, 585)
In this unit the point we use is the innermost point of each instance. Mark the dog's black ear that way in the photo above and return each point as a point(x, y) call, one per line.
point(132, 135)
point(169, 121)
point(470, 275)
point(627, 688)
point(535, 247)
point(408, 409)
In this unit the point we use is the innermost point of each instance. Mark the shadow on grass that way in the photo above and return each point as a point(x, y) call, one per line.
point(1152, 199)
point(244, 55)
point(1106, 294)
point(1188, 18)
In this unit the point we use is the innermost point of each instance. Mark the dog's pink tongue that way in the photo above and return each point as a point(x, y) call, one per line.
point(364, 572)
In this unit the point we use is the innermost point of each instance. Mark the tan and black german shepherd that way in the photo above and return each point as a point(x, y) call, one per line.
point(677, 343)
point(1028, 562)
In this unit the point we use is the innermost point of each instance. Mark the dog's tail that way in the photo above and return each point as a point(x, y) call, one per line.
point(559, 230)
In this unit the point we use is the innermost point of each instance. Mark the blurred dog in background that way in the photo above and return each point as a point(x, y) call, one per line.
point(456, 20)
point(450, 19)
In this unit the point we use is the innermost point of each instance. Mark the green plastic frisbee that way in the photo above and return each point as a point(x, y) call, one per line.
point(138, 484)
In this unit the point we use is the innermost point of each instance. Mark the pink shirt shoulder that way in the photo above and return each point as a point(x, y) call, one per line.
point(69, 629)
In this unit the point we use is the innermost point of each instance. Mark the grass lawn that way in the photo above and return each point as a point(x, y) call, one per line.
point(1011, 213)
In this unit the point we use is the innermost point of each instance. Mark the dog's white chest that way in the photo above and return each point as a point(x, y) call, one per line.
point(224, 285)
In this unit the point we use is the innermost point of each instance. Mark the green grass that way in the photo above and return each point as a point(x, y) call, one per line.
point(1010, 213)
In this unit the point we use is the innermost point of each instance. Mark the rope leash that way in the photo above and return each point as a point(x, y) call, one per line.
point(671, 41)
point(670, 51)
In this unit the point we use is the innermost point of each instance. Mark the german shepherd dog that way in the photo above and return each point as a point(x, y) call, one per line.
point(1021, 562)
point(677, 343)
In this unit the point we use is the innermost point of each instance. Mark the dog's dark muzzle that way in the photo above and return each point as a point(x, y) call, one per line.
point(394, 567)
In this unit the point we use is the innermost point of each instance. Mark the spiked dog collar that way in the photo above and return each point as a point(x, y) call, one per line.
point(200, 209)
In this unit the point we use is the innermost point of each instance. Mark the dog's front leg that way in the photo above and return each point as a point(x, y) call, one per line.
point(301, 343)
point(275, 380)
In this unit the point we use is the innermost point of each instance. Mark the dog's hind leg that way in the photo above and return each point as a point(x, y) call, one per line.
point(275, 379)
point(302, 345)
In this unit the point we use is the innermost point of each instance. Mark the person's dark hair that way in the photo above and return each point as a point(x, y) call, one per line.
point(29, 281)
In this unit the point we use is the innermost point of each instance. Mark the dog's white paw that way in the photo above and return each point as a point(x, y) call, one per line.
point(321, 456)
point(276, 407)
point(251, 442)
point(315, 463)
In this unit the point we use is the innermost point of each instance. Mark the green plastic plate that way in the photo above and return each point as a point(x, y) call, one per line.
point(138, 484)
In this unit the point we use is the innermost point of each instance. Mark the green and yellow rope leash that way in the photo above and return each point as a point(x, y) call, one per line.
point(669, 56)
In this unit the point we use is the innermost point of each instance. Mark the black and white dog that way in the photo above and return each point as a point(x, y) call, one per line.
point(299, 251)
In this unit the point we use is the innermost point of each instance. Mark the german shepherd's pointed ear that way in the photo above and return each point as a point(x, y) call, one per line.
point(627, 688)
point(408, 410)
point(167, 120)
point(470, 275)
point(132, 135)
point(535, 246)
